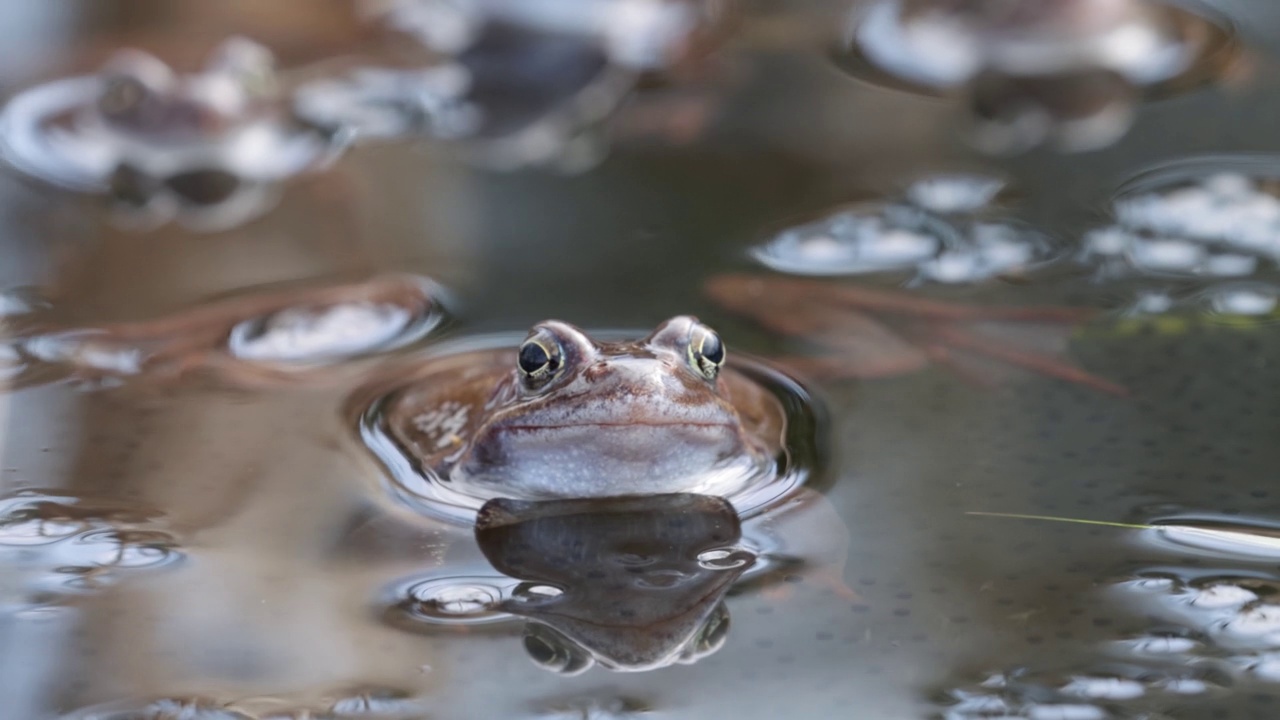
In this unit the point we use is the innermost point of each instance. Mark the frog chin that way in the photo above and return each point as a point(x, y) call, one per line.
point(598, 460)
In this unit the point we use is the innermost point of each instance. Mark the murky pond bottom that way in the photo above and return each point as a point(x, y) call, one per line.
point(190, 546)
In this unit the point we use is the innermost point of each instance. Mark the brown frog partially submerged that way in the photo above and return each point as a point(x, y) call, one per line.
point(569, 416)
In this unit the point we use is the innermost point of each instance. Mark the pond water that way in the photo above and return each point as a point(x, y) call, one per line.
point(190, 531)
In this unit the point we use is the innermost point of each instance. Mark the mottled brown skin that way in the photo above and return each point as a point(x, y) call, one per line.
point(869, 333)
point(143, 98)
point(623, 418)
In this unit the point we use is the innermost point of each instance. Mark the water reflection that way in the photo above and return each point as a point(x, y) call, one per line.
point(625, 585)
point(1063, 72)
point(866, 332)
point(205, 148)
point(629, 583)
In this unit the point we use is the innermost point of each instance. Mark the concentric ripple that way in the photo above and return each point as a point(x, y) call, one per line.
point(58, 544)
point(449, 600)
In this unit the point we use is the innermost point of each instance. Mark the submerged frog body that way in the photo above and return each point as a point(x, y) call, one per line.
point(568, 416)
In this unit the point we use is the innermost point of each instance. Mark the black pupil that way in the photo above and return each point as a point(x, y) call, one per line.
point(533, 357)
point(712, 348)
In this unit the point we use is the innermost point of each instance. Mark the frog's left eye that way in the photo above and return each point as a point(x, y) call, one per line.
point(706, 352)
point(540, 359)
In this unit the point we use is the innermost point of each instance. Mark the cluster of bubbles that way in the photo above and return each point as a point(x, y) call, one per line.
point(53, 545)
point(361, 704)
point(1230, 623)
point(1121, 690)
point(251, 336)
point(1221, 225)
point(517, 82)
point(1209, 631)
point(1202, 224)
point(1199, 237)
point(947, 229)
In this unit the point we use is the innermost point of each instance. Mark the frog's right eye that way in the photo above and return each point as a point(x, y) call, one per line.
point(121, 94)
point(540, 359)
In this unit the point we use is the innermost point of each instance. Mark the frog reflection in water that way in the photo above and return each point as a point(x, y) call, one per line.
point(630, 583)
point(568, 416)
point(879, 333)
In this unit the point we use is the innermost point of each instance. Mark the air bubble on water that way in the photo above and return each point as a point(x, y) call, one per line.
point(1182, 686)
point(1064, 711)
point(86, 350)
point(377, 703)
point(1220, 595)
point(1103, 688)
point(1167, 255)
point(63, 544)
point(319, 334)
point(20, 530)
point(452, 600)
point(528, 594)
point(163, 709)
point(724, 559)
point(1151, 584)
point(1248, 299)
point(1161, 645)
point(1260, 621)
point(867, 239)
point(1230, 265)
point(1264, 667)
point(957, 193)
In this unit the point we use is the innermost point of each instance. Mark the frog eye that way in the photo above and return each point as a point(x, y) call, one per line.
point(710, 638)
point(540, 359)
point(706, 351)
point(552, 651)
point(121, 94)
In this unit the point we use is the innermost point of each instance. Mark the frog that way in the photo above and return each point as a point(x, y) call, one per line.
point(205, 148)
point(566, 415)
point(1067, 73)
point(871, 333)
point(250, 339)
